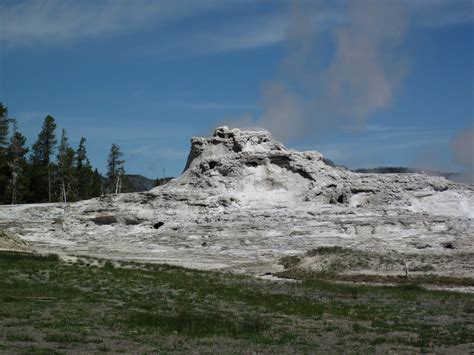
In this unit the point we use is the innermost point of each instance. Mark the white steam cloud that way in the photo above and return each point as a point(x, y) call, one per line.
point(462, 147)
point(362, 76)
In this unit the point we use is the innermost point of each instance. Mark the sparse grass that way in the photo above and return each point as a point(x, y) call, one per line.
point(158, 308)
point(65, 338)
point(327, 250)
point(200, 325)
point(103, 348)
point(39, 350)
point(19, 337)
point(22, 256)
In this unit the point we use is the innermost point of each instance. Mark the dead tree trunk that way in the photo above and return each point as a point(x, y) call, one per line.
point(49, 184)
point(14, 186)
point(118, 185)
point(63, 192)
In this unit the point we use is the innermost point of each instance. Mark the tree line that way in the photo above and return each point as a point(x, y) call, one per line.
point(51, 171)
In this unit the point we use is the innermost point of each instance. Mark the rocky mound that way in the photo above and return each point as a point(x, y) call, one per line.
point(250, 166)
point(244, 201)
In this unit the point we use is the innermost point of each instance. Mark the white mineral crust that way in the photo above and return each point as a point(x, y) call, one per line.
point(245, 200)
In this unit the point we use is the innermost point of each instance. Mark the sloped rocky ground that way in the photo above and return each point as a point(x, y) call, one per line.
point(244, 201)
point(11, 242)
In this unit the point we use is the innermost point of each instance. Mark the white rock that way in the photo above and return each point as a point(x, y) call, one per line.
point(252, 200)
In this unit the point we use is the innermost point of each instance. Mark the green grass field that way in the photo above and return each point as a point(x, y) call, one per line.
point(48, 306)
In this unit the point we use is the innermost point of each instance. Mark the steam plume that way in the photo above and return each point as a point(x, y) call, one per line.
point(360, 79)
point(462, 147)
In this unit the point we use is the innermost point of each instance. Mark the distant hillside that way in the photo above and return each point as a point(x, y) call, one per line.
point(138, 183)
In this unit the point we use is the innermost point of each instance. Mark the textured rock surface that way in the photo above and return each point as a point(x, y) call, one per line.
point(11, 242)
point(244, 200)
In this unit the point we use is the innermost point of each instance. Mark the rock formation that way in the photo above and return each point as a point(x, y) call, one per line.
point(244, 200)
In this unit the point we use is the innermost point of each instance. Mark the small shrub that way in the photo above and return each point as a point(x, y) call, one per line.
point(422, 268)
point(326, 250)
point(108, 264)
point(290, 261)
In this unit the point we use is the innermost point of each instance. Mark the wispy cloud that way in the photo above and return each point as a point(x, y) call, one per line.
point(259, 30)
point(255, 32)
point(27, 22)
point(440, 13)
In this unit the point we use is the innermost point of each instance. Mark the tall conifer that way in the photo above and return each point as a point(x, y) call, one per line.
point(16, 157)
point(41, 158)
point(115, 169)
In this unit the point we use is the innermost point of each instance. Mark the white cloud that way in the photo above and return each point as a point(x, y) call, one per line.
point(255, 32)
point(440, 13)
point(232, 26)
point(27, 22)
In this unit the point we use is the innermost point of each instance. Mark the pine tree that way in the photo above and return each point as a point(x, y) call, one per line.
point(4, 171)
point(83, 172)
point(34, 180)
point(16, 157)
point(81, 155)
point(41, 158)
point(115, 169)
point(4, 127)
point(97, 188)
point(65, 159)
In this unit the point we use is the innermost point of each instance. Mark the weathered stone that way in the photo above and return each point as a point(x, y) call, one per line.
point(245, 186)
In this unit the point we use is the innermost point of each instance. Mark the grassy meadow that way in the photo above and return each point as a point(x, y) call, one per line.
point(48, 306)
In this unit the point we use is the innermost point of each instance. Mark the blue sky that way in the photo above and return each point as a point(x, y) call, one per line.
point(366, 83)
